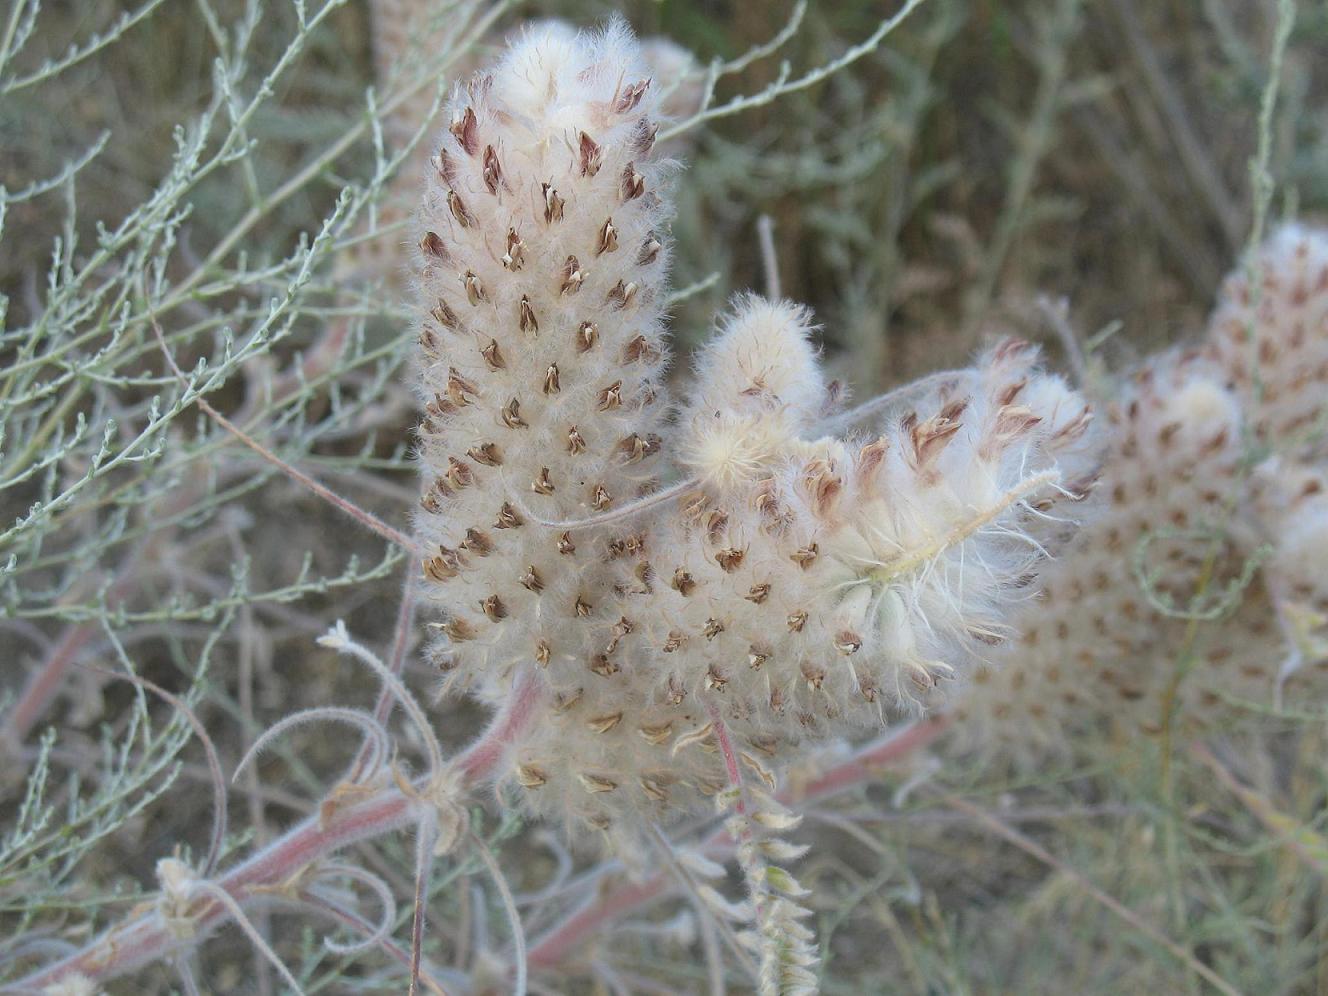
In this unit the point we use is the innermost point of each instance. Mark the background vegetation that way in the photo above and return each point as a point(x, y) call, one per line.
point(201, 176)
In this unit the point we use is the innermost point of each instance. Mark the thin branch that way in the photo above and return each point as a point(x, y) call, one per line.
point(218, 780)
point(380, 889)
point(376, 746)
point(783, 86)
point(765, 236)
point(362, 516)
point(237, 915)
point(341, 820)
point(1194, 153)
point(513, 915)
point(426, 838)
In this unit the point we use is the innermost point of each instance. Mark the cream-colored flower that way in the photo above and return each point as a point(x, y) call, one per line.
point(1198, 590)
point(735, 564)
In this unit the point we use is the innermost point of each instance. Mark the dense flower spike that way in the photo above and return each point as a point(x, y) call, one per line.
point(406, 33)
point(1199, 587)
point(542, 262)
point(834, 580)
point(731, 566)
point(1269, 335)
point(1095, 643)
point(753, 603)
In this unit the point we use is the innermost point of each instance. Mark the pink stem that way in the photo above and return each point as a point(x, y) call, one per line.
point(360, 515)
point(481, 758)
point(146, 937)
point(612, 905)
point(44, 684)
point(730, 758)
point(867, 762)
point(556, 945)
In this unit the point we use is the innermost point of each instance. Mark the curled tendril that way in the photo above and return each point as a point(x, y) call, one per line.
point(519, 958)
point(1208, 602)
point(375, 736)
point(181, 888)
point(337, 638)
point(381, 890)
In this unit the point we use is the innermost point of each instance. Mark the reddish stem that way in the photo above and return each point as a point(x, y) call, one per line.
point(730, 758)
point(612, 905)
point(481, 758)
point(44, 683)
point(865, 764)
point(146, 937)
point(615, 903)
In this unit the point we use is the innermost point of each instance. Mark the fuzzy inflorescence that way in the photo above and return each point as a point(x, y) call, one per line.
point(413, 38)
point(1269, 336)
point(737, 565)
point(834, 579)
point(1198, 589)
point(543, 270)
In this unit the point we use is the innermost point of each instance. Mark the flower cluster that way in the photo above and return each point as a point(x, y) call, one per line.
point(740, 565)
point(1198, 586)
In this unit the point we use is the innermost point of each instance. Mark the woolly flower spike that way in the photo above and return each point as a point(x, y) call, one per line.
point(607, 758)
point(1299, 523)
point(410, 33)
point(784, 586)
point(1293, 512)
point(1095, 634)
point(1199, 582)
point(752, 605)
point(542, 258)
point(807, 597)
point(832, 580)
point(1270, 337)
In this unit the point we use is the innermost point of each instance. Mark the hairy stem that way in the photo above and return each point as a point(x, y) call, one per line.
point(276, 869)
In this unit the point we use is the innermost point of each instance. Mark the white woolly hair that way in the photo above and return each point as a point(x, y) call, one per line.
point(758, 385)
point(1203, 403)
point(545, 73)
point(762, 357)
point(1303, 547)
point(1298, 524)
point(728, 451)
